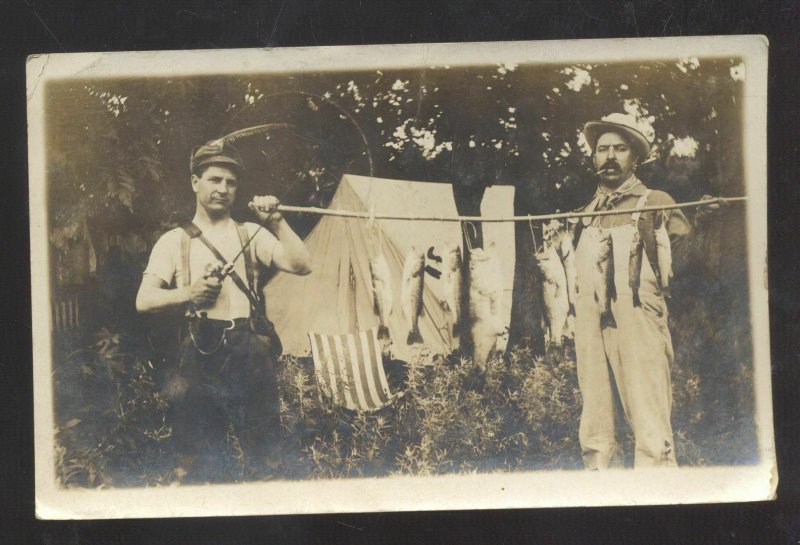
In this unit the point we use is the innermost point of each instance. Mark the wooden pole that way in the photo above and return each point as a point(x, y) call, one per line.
point(489, 219)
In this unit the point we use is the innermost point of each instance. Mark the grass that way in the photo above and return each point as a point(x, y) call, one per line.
point(114, 429)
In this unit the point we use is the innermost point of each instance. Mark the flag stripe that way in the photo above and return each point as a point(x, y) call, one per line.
point(332, 362)
point(348, 378)
point(320, 373)
point(368, 343)
point(352, 367)
point(374, 348)
point(366, 375)
point(331, 370)
point(356, 372)
point(315, 353)
point(345, 374)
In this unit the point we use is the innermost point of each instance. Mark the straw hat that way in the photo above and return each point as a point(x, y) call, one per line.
point(619, 123)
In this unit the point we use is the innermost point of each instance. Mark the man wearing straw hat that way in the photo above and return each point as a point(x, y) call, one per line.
point(226, 374)
point(629, 350)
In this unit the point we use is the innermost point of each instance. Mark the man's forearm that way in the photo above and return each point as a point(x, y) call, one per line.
point(296, 258)
point(152, 300)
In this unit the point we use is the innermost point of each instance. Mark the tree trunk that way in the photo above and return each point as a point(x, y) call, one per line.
point(526, 301)
point(468, 200)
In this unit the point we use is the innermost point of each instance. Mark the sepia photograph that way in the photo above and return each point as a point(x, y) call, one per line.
point(392, 278)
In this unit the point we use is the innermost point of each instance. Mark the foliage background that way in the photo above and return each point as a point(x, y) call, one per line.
point(117, 170)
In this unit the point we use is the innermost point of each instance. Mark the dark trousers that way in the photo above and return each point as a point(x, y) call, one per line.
point(232, 389)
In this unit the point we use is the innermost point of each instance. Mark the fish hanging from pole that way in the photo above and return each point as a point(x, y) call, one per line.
point(485, 295)
point(635, 266)
point(604, 288)
point(664, 253)
point(566, 252)
point(411, 294)
point(554, 292)
point(382, 294)
point(452, 282)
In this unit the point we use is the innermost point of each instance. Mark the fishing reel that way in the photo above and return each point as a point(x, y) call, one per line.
point(217, 270)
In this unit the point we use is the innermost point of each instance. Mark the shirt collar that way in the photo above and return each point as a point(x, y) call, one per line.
point(631, 186)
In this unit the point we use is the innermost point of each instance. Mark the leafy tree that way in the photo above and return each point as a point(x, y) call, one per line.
point(119, 148)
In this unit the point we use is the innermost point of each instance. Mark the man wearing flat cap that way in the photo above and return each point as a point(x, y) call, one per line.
point(227, 365)
point(622, 341)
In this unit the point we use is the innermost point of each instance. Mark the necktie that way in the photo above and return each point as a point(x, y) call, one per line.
point(602, 204)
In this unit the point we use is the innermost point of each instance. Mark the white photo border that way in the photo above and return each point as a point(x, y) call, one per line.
point(477, 491)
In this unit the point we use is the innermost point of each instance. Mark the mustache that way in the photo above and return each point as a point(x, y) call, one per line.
point(608, 165)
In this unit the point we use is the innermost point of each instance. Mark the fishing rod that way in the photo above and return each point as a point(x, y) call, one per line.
point(233, 137)
point(226, 270)
point(265, 128)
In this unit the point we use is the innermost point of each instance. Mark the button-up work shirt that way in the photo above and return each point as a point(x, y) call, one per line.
point(625, 197)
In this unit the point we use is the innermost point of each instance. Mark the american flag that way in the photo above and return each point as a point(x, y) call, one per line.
point(350, 369)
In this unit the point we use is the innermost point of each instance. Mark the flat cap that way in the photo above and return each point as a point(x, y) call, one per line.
point(216, 152)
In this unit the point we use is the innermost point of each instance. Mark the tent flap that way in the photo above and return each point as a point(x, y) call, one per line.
point(336, 298)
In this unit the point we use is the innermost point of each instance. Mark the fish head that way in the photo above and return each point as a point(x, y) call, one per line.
point(484, 267)
point(552, 231)
point(415, 261)
point(481, 254)
point(477, 257)
point(378, 267)
point(662, 236)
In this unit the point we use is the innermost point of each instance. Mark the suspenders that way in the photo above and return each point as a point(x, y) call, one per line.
point(645, 225)
point(259, 322)
point(639, 204)
point(191, 231)
point(186, 242)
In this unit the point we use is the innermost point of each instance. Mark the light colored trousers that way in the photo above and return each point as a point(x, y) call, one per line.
point(635, 352)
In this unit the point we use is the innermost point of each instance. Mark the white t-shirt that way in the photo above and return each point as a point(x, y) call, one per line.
point(166, 263)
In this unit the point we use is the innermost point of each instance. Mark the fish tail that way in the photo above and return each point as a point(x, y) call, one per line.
point(414, 337)
point(383, 332)
point(607, 320)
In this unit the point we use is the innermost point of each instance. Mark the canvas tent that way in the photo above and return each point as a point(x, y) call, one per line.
point(336, 298)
